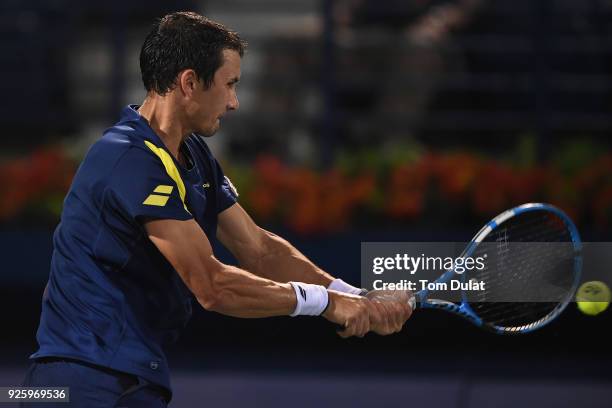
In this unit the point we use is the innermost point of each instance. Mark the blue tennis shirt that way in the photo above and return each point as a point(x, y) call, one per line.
point(112, 298)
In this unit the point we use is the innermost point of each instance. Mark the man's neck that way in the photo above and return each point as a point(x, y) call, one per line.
point(165, 121)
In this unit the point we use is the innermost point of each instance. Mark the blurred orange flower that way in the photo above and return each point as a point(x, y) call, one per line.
point(310, 201)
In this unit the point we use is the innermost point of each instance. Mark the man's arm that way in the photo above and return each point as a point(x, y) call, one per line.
point(236, 292)
point(268, 255)
point(264, 253)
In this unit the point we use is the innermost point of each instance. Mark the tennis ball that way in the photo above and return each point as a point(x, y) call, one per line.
point(593, 297)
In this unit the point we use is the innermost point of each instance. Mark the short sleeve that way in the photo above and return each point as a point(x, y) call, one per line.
point(227, 195)
point(141, 186)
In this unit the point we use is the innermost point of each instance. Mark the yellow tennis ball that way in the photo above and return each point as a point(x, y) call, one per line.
point(593, 297)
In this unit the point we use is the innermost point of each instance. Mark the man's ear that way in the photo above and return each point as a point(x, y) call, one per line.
point(187, 81)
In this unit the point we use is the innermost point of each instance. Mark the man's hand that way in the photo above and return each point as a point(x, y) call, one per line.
point(389, 310)
point(349, 311)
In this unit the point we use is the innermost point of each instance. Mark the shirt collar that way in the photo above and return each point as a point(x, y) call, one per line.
point(130, 116)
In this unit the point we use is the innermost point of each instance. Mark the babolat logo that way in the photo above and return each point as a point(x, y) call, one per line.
point(161, 198)
point(302, 292)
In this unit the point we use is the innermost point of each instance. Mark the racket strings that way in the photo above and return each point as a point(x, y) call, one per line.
point(523, 270)
point(513, 314)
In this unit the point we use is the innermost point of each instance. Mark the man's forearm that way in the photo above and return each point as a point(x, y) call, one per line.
point(235, 292)
point(282, 262)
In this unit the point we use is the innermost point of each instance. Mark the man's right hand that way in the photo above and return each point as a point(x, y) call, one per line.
point(350, 312)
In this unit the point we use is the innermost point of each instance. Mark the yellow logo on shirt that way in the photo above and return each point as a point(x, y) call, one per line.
point(158, 199)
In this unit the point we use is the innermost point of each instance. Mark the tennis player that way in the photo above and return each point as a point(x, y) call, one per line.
point(133, 246)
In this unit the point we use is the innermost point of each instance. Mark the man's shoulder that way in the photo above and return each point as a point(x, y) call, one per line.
point(118, 143)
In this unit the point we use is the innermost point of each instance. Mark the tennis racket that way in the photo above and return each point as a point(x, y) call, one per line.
point(528, 266)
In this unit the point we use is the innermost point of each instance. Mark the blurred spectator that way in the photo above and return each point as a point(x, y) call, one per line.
point(534, 68)
point(392, 58)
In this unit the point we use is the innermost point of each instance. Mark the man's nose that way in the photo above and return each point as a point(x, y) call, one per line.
point(233, 103)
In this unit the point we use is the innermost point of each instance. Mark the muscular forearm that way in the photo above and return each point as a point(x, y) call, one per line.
point(235, 292)
point(282, 262)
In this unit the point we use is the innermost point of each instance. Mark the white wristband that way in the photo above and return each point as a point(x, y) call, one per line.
point(341, 286)
point(311, 299)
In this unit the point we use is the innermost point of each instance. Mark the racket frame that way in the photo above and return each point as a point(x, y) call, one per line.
point(420, 299)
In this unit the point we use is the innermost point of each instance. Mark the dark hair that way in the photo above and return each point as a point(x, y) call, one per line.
point(184, 40)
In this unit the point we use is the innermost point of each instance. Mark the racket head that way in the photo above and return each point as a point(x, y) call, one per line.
point(560, 270)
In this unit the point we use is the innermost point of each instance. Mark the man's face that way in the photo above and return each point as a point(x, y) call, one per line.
point(210, 104)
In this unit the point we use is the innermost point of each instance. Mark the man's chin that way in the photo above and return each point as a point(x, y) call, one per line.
point(208, 132)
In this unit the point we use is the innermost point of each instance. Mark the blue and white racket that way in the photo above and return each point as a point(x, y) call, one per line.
point(556, 266)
